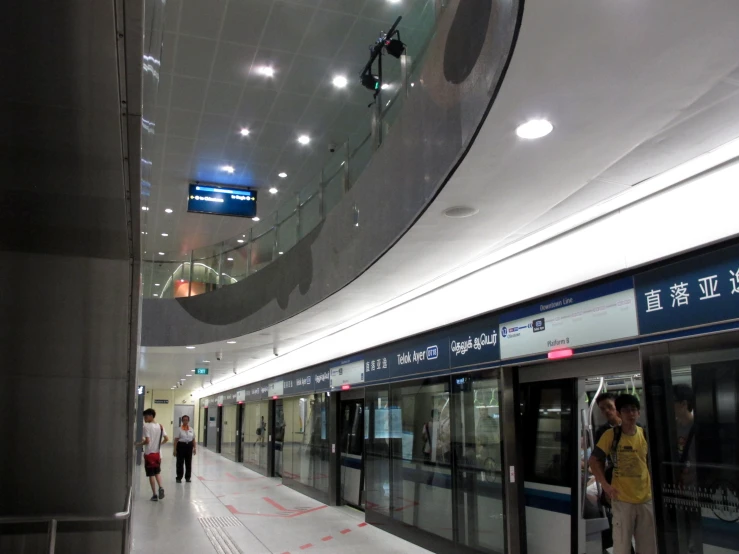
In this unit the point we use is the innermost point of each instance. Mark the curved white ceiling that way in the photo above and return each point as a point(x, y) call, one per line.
point(632, 89)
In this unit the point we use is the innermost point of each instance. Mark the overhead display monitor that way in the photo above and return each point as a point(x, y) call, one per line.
point(213, 199)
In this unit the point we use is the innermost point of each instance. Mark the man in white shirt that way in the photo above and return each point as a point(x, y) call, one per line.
point(154, 437)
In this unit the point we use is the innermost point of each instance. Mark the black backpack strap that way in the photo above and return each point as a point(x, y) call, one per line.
point(616, 439)
point(161, 434)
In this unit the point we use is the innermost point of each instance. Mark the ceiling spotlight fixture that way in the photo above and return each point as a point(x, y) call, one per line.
point(190, 347)
point(273, 190)
point(280, 253)
point(229, 259)
point(145, 208)
point(282, 175)
point(156, 284)
point(340, 81)
point(371, 82)
point(240, 241)
point(395, 47)
point(188, 375)
point(168, 210)
point(254, 219)
point(303, 139)
point(230, 342)
point(228, 168)
point(165, 235)
point(266, 70)
point(244, 132)
point(534, 129)
point(155, 294)
point(161, 253)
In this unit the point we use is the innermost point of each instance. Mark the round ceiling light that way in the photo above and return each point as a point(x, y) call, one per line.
point(266, 70)
point(458, 212)
point(160, 253)
point(303, 139)
point(340, 81)
point(190, 347)
point(165, 234)
point(168, 210)
point(244, 132)
point(230, 342)
point(273, 190)
point(255, 219)
point(282, 175)
point(240, 241)
point(534, 129)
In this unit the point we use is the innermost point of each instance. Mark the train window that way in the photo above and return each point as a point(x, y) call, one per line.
point(547, 418)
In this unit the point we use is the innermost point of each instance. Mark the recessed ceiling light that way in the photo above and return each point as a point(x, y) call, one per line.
point(244, 132)
point(161, 253)
point(255, 219)
point(273, 190)
point(155, 294)
point(394, 1)
point(303, 139)
point(282, 175)
point(231, 342)
point(458, 212)
point(413, 84)
point(240, 241)
point(228, 168)
point(280, 253)
point(340, 81)
point(206, 361)
point(156, 284)
point(144, 233)
point(266, 70)
point(534, 129)
point(190, 347)
point(145, 208)
point(385, 86)
point(165, 234)
point(229, 259)
point(188, 375)
point(168, 210)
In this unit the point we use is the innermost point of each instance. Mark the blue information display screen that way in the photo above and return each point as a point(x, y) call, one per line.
point(209, 199)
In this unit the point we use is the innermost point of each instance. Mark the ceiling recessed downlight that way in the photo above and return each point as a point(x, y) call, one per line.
point(230, 342)
point(229, 259)
point(244, 132)
point(168, 210)
point(534, 129)
point(156, 284)
point(188, 375)
point(228, 168)
point(282, 175)
point(304, 139)
point(340, 81)
point(165, 234)
point(240, 241)
point(266, 70)
point(255, 219)
point(273, 190)
point(385, 86)
point(190, 347)
point(161, 253)
point(458, 212)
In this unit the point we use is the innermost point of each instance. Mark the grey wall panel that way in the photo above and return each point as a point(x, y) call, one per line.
point(435, 126)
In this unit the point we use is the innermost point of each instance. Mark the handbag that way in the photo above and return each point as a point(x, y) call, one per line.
point(154, 459)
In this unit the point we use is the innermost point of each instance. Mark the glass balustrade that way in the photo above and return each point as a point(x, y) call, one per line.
point(233, 260)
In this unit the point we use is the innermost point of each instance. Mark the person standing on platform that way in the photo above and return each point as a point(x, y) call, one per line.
point(184, 449)
point(154, 437)
point(631, 489)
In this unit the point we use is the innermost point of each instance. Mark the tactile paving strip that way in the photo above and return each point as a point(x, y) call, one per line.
point(222, 542)
point(220, 522)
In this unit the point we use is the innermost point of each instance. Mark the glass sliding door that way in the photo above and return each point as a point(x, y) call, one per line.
point(229, 432)
point(255, 435)
point(693, 387)
point(476, 443)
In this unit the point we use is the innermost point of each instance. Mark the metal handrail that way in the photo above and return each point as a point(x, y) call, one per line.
point(54, 520)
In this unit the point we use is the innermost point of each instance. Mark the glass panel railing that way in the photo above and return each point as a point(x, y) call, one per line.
point(233, 260)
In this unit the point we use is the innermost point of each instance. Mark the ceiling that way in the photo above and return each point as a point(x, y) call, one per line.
point(632, 90)
point(211, 88)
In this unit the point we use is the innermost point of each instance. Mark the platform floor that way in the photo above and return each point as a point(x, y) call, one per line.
point(230, 509)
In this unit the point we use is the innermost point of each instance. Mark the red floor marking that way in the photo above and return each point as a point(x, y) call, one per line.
point(327, 538)
point(232, 509)
point(309, 545)
point(276, 505)
point(345, 531)
point(284, 516)
point(361, 524)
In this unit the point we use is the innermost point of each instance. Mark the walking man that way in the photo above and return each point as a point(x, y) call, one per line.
point(630, 491)
point(154, 437)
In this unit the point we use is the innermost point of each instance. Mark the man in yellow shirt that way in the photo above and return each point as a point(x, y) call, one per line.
point(631, 488)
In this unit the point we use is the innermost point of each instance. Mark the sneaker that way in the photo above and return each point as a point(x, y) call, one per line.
point(161, 493)
point(188, 480)
point(154, 498)
point(179, 480)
